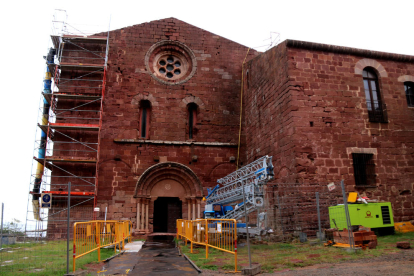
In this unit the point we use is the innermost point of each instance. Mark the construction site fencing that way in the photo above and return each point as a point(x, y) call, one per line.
point(184, 228)
point(93, 235)
point(299, 211)
point(39, 247)
point(220, 234)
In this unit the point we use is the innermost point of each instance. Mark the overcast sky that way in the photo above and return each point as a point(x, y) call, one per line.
point(25, 27)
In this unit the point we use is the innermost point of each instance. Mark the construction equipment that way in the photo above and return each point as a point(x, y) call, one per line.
point(225, 200)
point(377, 216)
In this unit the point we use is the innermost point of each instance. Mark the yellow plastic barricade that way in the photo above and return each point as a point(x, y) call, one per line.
point(180, 228)
point(93, 235)
point(220, 234)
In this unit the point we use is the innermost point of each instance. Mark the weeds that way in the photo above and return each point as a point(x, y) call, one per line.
point(43, 258)
point(279, 256)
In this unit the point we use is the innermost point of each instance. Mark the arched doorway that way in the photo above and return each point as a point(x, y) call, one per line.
point(166, 192)
point(166, 212)
point(167, 196)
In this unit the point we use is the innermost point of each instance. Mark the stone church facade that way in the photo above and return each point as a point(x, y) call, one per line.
point(172, 112)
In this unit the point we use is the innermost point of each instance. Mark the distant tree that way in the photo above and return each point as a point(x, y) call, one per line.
point(13, 228)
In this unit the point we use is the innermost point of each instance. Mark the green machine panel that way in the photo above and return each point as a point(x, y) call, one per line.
point(372, 215)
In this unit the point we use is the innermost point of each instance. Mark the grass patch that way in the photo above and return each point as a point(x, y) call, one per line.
point(43, 258)
point(279, 256)
point(210, 267)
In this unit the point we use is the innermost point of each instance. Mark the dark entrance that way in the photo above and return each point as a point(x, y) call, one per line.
point(166, 211)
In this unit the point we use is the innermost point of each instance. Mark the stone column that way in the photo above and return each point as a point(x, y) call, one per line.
point(146, 215)
point(138, 214)
point(198, 209)
point(142, 214)
point(189, 208)
point(194, 208)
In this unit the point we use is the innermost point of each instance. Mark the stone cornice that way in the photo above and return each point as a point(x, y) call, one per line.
point(175, 143)
point(347, 50)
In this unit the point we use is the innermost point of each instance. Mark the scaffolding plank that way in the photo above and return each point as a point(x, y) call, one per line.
point(85, 39)
point(74, 126)
point(42, 162)
point(59, 126)
point(55, 159)
point(65, 193)
point(61, 97)
point(82, 67)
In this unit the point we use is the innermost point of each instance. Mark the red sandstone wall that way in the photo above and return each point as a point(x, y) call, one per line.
point(308, 110)
point(215, 87)
point(268, 121)
point(332, 96)
point(216, 83)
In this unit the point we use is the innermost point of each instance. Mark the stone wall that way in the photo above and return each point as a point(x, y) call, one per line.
point(312, 116)
point(214, 88)
point(332, 123)
point(268, 127)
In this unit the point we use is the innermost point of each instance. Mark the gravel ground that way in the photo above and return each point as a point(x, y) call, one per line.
point(401, 263)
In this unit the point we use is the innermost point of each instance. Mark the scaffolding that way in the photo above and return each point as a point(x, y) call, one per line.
point(69, 122)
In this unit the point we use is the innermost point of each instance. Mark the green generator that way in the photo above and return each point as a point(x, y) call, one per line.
point(377, 216)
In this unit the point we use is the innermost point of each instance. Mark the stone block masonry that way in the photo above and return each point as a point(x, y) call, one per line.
point(214, 88)
point(171, 114)
point(308, 109)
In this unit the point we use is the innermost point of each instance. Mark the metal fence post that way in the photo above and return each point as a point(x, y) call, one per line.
point(348, 220)
point(68, 230)
point(247, 225)
point(1, 236)
point(319, 216)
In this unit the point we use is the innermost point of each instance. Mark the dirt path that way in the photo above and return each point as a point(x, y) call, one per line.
point(401, 263)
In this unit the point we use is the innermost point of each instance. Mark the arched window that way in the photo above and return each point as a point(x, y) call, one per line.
point(192, 120)
point(144, 114)
point(376, 109)
point(409, 93)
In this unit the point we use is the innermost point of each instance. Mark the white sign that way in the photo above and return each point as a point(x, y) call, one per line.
point(198, 226)
point(182, 224)
point(46, 201)
point(219, 227)
point(331, 186)
point(96, 209)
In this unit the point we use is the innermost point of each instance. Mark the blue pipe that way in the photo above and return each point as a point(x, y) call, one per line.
point(47, 83)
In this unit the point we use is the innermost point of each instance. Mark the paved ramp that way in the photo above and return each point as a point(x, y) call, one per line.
point(158, 256)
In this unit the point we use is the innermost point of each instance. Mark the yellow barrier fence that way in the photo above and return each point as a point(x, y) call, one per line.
point(184, 229)
point(220, 234)
point(94, 235)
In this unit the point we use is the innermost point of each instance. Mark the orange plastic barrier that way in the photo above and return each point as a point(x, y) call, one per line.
point(93, 235)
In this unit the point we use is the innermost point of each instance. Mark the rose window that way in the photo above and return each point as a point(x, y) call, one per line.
point(170, 62)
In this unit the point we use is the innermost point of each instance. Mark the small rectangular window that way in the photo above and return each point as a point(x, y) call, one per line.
point(144, 123)
point(145, 113)
point(409, 93)
point(192, 119)
point(364, 169)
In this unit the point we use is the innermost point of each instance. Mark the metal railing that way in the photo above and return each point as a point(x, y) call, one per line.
point(94, 235)
point(220, 234)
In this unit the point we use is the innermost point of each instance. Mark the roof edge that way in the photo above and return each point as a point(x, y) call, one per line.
point(347, 50)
